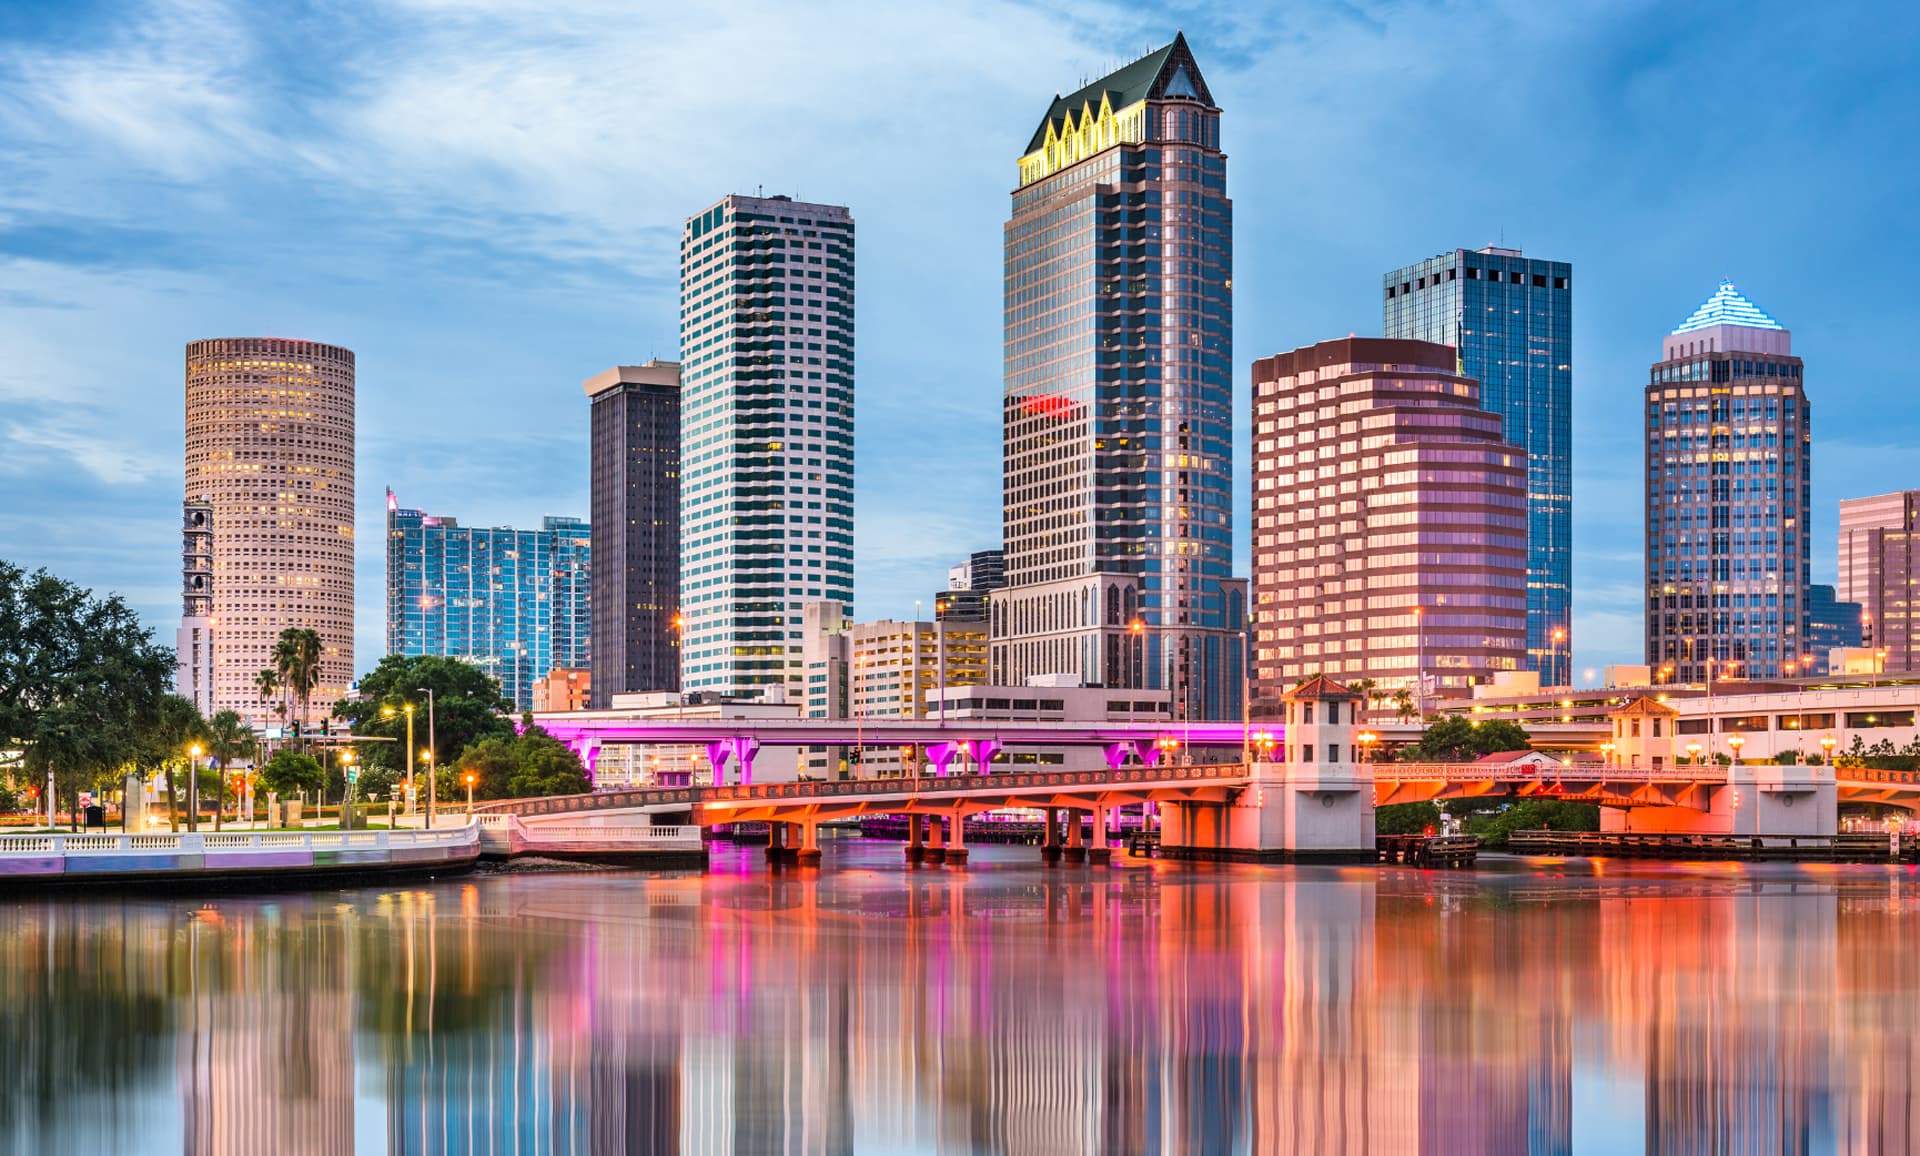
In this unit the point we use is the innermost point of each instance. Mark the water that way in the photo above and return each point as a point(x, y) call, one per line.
point(1165, 1008)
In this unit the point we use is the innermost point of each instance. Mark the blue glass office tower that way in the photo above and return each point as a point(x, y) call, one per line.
point(515, 603)
point(1510, 318)
point(1118, 405)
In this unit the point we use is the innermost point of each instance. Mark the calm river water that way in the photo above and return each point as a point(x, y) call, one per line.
point(1528, 1007)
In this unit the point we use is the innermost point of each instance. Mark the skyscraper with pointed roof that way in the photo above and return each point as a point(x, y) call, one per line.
point(1118, 395)
point(1728, 497)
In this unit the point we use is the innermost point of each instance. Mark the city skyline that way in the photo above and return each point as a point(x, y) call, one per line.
point(128, 266)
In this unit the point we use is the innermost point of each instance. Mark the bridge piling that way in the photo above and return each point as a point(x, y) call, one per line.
point(957, 844)
point(809, 853)
point(1076, 841)
point(936, 840)
point(1099, 854)
point(1050, 844)
point(916, 838)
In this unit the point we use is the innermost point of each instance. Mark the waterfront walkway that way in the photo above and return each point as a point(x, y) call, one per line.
point(228, 856)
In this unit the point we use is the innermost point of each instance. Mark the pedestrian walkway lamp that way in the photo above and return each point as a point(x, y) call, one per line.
point(1366, 739)
point(1826, 744)
point(193, 790)
point(433, 744)
point(1693, 754)
point(1736, 742)
point(470, 779)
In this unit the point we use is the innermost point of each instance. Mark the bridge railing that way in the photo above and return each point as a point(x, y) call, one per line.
point(859, 788)
point(1529, 773)
point(1846, 774)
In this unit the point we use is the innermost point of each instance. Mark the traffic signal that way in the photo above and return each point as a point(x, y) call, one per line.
point(296, 728)
point(326, 727)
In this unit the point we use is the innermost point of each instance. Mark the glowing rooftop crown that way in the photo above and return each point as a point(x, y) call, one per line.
point(1728, 307)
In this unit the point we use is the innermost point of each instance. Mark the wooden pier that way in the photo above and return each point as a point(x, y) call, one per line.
point(1428, 850)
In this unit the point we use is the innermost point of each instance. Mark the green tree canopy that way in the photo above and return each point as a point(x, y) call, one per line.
point(467, 706)
point(1454, 739)
point(531, 764)
point(290, 771)
point(80, 679)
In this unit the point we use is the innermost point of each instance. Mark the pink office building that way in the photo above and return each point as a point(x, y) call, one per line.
point(1389, 520)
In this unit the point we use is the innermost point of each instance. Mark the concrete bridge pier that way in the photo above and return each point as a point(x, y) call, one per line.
point(1076, 840)
point(1050, 842)
point(778, 849)
point(957, 840)
point(916, 838)
point(936, 843)
point(809, 853)
point(1758, 799)
point(1099, 853)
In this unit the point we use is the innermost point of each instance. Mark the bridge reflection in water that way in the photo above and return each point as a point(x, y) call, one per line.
point(1157, 1008)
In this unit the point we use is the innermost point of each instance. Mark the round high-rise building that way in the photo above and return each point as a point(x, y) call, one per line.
point(270, 456)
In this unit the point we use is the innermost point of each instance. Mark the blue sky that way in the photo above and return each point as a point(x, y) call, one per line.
point(483, 200)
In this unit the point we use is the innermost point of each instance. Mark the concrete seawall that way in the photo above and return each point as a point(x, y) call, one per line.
point(227, 859)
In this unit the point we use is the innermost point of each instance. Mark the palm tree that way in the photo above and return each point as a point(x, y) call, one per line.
point(1404, 705)
point(1367, 689)
point(228, 738)
point(296, 660)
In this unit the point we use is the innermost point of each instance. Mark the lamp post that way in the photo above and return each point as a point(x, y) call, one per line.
point(1420, 661)
point(193, 789)
point(1559, 636)
point(346, 788)
point(1366, 739)
point(407, 709)
point(1606, 751)
point(469, 776)
point(1879, 665)
point(433, 746)
point(679, 696)
point(1736, 742)
point(1826, 744)
point(1693, 754)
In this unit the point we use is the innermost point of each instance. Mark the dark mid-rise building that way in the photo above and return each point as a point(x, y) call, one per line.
point(1510, 317)
point(1397, 554)
point(1831, 624)
point(968, 584)
point(1119, 395)
point(636, 529)
point(1728, 474)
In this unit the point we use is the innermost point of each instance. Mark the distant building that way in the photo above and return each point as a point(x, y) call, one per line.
point(1728, 505)
point(1389, 523)
point(1879, 566)
point(766, 497)
point(1118, 407)
point(564, 688)
point(514, 603)
point(1510, 317)
point(635, 485)
point(1831, 625)
point(968, 585)
point(977, 704)
point(270, 453)
point(193, 643)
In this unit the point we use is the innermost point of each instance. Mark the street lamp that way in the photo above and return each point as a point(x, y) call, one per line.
point(1606, 749)
point(193, 788)
point(470, 777)
point(1559, 636)
point(1826, 744)
point(1693, 754)
point(346, 789)
point(407, 709)
point(1736, 742)
point(433, 744)
point(1366, 739)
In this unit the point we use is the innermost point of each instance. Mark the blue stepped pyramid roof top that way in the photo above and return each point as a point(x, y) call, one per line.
point(1728, 307)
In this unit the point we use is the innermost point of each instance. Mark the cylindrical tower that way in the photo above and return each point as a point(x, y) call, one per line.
point(270, 450)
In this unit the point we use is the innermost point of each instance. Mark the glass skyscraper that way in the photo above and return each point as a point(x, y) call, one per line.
point(766, 441)
point(515, 603)
point(1118, 395)
point(1729, 470)
point(1510, 318)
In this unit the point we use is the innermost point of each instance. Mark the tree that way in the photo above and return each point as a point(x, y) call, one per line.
point(1404, 706)
point(80, 679)
point(1405, 818)
point(290, 771)
point(1368, 690)
point(1455, 739)
point(296, 663)
point(531, 764)
point(468, 707)
point(175, 727)
point(228, 738)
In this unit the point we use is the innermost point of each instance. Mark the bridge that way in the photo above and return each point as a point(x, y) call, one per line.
point(731, 744)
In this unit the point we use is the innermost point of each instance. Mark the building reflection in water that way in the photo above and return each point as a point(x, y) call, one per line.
point(1009, 1009)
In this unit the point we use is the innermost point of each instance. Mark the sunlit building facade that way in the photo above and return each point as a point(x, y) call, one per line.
point(1118, 394)
point(1510, 319)
point(269, 456)
point(1879, 569)
point(766, 498)
point(1728, 496)
point(1389, 522)
point(514, 603)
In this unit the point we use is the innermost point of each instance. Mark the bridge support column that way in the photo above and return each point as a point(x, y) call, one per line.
point(936, 843)
point(1076, 841)
point(957, 844)
point(1050, 843)
point(916, 838)
point(776, 841)
point(1099, 853)
point(809, 853)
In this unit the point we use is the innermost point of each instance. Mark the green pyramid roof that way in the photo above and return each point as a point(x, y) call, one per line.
point(1129, 85)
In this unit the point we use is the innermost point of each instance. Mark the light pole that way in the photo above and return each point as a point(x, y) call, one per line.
point(1826, 744)
point(1736, 742)
point(469, 777)
point(1606, 751)
point(407, 709)
point(346, 789)
point(193, 788)
point(433, 747)
point(1420, 660)
point(1693, 754)
point(1366, 739)
point(1559, 636)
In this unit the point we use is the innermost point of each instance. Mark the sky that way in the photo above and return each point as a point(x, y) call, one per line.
point(483, 198)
